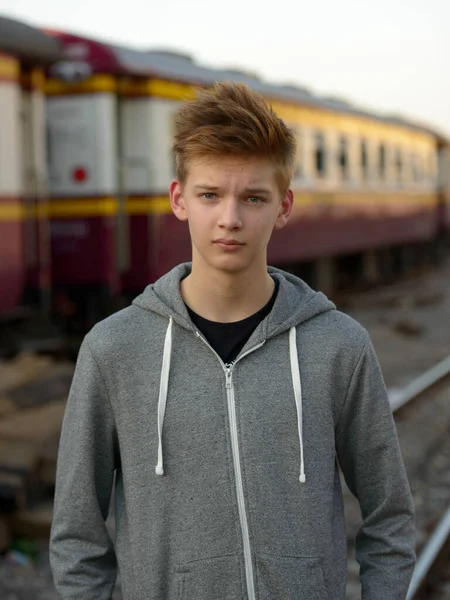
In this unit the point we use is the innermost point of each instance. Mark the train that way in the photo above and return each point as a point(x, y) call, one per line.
point(25, 252)
point(85, 167)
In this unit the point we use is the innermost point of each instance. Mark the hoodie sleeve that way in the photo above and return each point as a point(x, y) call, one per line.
point(81, 551)
point(369, 455)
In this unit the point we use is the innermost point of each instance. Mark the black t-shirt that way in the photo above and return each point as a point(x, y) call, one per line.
point(228, 339)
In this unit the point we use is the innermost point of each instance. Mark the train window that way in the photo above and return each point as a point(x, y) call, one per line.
point(298, 167)
point(382, 161)
point(430, 167)
point(343, 157)
point(417, 167)
point(414, 172)
point(49, 147)
point(172, 159)
point(398, 164)
point(320, 155)
point(364, 160)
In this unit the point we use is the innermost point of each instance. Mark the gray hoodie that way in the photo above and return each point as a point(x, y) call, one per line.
point(226, 476)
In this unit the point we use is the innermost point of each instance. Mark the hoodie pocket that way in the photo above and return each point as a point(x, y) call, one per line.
point(291, 578)
point(211, 579)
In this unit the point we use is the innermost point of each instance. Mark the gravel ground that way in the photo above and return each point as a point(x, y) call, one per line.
point(408, 323)
point(409, 327)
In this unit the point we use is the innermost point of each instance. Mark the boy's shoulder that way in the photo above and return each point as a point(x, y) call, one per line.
point(337, 329)
point(342, 325)
point(128, 329)
point(334, 342)
point(316, 317)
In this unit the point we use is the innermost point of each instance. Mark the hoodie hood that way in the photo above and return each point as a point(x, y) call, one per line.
point(296, 302)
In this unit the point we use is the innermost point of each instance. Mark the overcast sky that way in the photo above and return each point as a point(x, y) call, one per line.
point(390, 55)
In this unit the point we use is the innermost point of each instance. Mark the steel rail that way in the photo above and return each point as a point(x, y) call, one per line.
point(429, 554)
point(397, 399)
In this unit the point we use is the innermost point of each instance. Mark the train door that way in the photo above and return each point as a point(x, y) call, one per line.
point(85, 196)
point(158, 241)
point(123, 183)
point(136, 178)
point(171, 243)
point(34, 177)
point(12, 273)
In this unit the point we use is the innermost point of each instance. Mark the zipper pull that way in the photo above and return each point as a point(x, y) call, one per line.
point(228, 378)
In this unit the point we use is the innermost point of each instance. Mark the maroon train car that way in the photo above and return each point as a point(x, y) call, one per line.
point(363, 183)
point(24, 236)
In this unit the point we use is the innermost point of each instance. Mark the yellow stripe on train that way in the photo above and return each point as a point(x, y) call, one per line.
point(9, 67)
point(105, 207)
point(11, 211)
point(344, 204)
point(292, 113)
point(96, 83)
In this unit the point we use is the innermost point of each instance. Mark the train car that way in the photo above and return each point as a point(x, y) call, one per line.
point(362, 183)
point(24, 236)
point(88, 230)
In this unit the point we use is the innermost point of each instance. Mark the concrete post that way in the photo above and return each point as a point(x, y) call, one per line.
point(325, 275)
point(371, 271)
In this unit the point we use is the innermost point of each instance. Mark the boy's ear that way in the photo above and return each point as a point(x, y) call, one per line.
point(177, 202)
point(285, 209)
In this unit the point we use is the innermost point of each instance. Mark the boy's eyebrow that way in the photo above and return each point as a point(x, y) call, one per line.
point(211, 188)
point(257, 190)
point(247, 190)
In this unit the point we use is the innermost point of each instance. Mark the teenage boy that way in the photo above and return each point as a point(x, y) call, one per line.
point(223, 400)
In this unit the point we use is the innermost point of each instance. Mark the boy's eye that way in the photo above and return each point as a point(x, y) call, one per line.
point(254, 199)
point(209, 196)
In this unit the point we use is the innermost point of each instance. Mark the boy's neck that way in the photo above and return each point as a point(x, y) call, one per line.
point(226, 297)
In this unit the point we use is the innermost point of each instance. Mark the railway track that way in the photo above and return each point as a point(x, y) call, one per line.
point(422, 414)
point(433, 513)
point(432, 561)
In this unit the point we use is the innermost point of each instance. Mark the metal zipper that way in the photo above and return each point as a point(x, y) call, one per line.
point(228, 368)
point(239, 490)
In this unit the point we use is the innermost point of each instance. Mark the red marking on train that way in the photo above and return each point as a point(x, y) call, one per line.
point(80, 174)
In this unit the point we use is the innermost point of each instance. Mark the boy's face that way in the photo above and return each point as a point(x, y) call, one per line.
point(232, 206)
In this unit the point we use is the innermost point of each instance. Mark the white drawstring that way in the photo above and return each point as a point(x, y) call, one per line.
point(163, 386)
point(296, 382)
